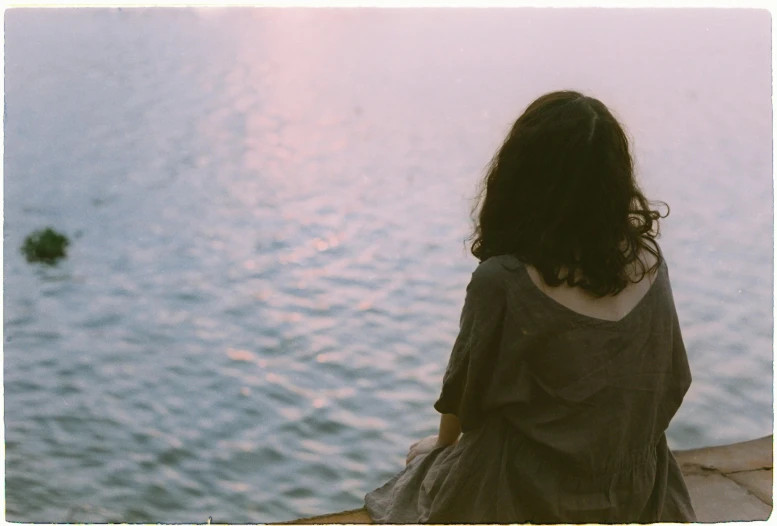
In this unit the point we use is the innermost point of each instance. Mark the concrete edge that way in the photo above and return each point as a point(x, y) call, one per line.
point(727, 461)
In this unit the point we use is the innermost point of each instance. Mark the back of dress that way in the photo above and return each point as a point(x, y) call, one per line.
point(577, 406)
point(585, 381)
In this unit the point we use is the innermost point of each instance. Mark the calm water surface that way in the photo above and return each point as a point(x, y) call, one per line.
point(267, 211)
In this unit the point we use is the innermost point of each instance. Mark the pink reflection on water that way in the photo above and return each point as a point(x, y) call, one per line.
point(240, 355)
point(327, 357)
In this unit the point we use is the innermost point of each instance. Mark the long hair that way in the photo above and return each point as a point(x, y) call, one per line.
point(561, 195)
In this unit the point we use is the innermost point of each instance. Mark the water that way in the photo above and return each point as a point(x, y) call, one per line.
point(267, 211)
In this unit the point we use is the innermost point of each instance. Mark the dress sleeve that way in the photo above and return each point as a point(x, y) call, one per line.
point(475, 350)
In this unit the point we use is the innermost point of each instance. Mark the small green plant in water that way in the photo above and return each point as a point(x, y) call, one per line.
point(46, 246)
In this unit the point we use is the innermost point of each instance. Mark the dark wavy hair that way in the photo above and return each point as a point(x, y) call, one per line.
point(561, 195)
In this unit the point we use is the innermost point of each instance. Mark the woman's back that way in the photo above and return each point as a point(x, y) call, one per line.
point(610, 308)
point(586, 388)
point(563, 414)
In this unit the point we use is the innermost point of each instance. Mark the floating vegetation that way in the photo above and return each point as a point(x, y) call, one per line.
point(45, 246)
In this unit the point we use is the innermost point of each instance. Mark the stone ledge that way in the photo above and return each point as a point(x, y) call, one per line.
point(759, 483)
point(717, 498)
point(743, 456)
point(730, 483)
point(357, 516)
point(727, 484)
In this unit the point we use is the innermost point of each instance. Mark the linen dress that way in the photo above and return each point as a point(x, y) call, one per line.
point(563, 415)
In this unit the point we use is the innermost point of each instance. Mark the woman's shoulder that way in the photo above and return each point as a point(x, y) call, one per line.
point(497, 271)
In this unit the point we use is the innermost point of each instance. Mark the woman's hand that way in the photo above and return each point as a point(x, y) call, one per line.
point(423, 446)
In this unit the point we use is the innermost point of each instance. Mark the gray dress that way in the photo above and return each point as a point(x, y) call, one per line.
point(563, 415)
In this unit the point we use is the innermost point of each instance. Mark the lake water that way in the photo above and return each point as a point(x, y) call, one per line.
point(267, 212)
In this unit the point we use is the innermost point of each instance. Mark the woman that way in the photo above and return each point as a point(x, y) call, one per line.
point(569, 364)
